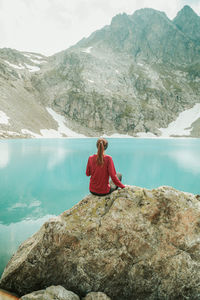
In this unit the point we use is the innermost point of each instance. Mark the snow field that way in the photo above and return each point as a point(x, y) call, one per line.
point(182, 125)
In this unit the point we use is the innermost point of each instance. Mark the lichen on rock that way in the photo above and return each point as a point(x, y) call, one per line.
point(132, 244)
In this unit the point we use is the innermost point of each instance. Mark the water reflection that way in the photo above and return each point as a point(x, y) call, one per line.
point(4, 155)
point(187, 159)
point(14, 234)
point(43, 177)
point(57, 157)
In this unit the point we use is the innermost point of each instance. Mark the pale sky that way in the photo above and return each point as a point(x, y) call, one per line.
point(50, 26)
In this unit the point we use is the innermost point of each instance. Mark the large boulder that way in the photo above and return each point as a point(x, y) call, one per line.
point(132, 244)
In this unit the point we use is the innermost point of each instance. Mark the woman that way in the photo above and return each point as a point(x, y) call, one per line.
point(100, 167)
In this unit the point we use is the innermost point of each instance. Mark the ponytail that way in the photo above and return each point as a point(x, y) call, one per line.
point(102, 145)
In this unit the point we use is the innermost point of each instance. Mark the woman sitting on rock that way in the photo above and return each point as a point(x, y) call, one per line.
point(100, 166)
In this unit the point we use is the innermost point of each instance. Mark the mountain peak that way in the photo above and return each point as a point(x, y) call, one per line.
point(122, 19)
point(186, 12)
point(188, 22)
point(148, 11)
point(187, 8)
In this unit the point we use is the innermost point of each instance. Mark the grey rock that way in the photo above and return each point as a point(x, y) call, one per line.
point(52, 292)
point(132, 243)
point(96, 296)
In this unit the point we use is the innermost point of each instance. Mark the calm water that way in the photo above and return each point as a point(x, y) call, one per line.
point(42, 178)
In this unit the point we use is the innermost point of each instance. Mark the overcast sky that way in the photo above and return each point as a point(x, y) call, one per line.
point(49, 26)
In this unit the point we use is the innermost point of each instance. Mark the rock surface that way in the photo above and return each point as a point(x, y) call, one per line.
point(52, 292)
point(132, 244)
point(96, 296)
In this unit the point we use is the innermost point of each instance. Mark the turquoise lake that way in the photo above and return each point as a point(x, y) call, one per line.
point(40, 178)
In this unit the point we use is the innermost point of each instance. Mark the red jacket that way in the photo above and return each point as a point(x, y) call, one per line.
point(99, 180)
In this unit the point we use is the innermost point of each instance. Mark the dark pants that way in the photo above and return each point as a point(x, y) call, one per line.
point(113, 187)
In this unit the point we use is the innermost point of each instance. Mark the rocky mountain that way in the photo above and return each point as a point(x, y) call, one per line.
point(132, 244)
point(188, 23)
point(134, 76)
point(19, 108)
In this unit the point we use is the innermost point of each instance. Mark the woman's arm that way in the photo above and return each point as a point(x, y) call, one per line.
point(88, 168)
point(112, 173)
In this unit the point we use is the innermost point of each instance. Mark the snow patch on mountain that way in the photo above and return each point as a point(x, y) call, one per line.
point(62, 128)
point(20, 67)
point(4, 118)
point(145, 135)
point(87, 50)
point(182, 125)
point(31, 55)
point(35, 61)
point(50, 133)
point(32, 68)
point(31, 133)
point(62, 131)
point(117, 135)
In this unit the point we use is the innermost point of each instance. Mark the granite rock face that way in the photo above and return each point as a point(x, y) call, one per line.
point(132, 244)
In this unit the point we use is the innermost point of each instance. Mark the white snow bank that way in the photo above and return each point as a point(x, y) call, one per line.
point(20, 67)
point(117, 135)
point(146, 135)
point(27, 55)
point(4, 118)
point(45, 133)
point(31, 133)
point(32, 68)
point(52, 133)
point(62, 128)
point(35, 61)
point(33, 55)
point(182, 125)
point(87, 50)
point(37, 56)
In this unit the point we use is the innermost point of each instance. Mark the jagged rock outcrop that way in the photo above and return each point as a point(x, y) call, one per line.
point(132, 244)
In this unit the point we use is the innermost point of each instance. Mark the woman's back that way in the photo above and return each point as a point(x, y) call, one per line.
point(100, 167)
point(99, 182)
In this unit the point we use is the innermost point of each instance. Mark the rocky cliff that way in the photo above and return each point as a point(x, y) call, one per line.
point(132, 244)
point(135, 75)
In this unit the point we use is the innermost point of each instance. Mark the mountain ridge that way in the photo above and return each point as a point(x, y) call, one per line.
point(135, 75)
